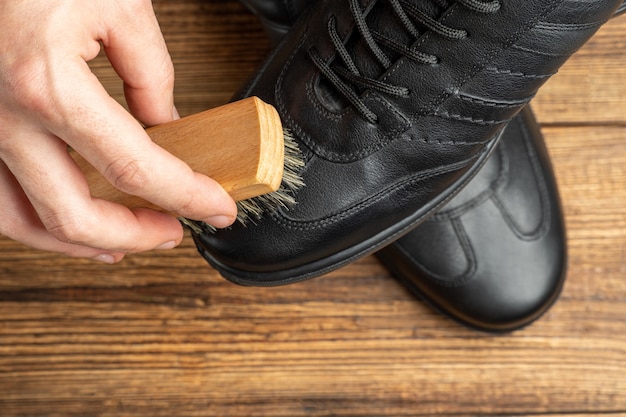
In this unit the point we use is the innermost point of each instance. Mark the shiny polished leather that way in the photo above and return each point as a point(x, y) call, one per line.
point(372, 177)
point(494, 258)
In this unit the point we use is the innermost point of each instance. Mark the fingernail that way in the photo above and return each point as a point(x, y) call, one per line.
point(219, 221)
point(167, 245)
point(105, 257)
point(175, 114)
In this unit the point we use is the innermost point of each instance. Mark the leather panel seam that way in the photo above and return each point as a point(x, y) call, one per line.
point(544, 225)
point(281, 218)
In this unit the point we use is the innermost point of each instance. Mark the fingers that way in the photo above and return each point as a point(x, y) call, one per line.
point(22, 223)
point(139, 55)
point(50, 99)
point(60, 199)
point(132, 162)
point(100, 130)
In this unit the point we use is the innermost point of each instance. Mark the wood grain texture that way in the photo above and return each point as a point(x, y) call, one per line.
point(162, 334)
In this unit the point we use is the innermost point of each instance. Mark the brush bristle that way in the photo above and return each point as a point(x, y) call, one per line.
point(253, 209)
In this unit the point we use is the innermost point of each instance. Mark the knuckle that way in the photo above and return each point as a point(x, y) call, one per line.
point(67, 228)
point(167, 74)
point(128, 176)
point(186, 205)
point(27, 90)
point(78, 230)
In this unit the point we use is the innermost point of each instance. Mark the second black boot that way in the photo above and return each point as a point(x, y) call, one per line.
point(495, 257)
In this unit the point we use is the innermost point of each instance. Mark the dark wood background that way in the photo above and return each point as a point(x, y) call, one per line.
point(162, 334)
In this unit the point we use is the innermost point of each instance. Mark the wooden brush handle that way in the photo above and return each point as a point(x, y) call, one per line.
point(240, 145)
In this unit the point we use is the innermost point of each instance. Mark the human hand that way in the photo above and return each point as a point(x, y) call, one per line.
point(49, 100)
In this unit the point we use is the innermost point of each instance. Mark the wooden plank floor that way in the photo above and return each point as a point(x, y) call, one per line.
point(162, 334)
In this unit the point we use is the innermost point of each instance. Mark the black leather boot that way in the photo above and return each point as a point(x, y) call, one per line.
point(395, 105)
point(494, 258)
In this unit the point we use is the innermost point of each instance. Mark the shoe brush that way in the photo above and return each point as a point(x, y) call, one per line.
point(241, 145)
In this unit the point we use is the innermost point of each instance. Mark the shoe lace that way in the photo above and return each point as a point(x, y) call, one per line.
point(348, 80)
